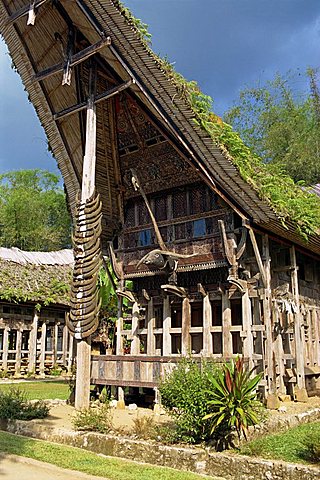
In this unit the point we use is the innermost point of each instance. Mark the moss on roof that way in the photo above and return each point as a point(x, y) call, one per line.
point(41, 284)
point(287, 199)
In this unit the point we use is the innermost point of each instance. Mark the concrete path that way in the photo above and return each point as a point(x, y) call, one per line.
point(13, 467)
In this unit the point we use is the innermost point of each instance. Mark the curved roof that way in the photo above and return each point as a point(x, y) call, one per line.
point(34, 48)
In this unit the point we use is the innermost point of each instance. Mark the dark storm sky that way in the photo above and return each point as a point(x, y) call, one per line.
point(223, 44)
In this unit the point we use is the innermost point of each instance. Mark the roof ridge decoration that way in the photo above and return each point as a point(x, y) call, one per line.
point(286, 198)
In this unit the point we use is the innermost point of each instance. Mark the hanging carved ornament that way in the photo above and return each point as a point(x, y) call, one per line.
point(85, 305)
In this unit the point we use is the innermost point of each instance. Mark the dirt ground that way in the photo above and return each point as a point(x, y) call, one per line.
point(123, 420)
point(61, 417)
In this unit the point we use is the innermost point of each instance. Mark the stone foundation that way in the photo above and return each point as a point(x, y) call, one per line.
point(193, 459)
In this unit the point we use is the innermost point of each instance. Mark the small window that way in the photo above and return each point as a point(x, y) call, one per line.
point(199, 228)
point(145, 238)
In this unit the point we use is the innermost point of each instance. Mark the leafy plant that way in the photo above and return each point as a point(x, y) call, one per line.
point(14, 405)
point(94, 419)
point(233, 398)
point(184, 395)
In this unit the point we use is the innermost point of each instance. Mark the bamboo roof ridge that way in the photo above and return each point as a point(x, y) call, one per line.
point(154, 87)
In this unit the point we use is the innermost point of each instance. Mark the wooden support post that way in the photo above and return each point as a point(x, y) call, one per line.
point(278, 352)
point(246, 325)
point(298, 327)
point(135, 344)
point(186, 324)
point(207, 323)
point(55, 345)
point(70, 353)
point(18, 351)
point(151, 341)
point(316, 328)
point(308, 345)
point(33, 344)
point(121, 404)
point(267, 308)
point(82, 395)
point(166, 325)
point(119, 345)
point(64, 345)
point(5, 348)
point(227, 348)
point(257, 320)
point(43, 347)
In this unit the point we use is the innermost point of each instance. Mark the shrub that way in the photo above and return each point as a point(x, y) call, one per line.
point(56, 371)
point(233, 399)
point(14, 405)
point(184, 396)
point(312, 445)
point(94, 419)
point(144, 427)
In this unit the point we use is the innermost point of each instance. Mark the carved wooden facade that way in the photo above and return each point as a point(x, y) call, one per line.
point(215, 272)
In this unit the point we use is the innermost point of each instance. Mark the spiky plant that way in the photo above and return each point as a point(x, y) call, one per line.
point(233, 398)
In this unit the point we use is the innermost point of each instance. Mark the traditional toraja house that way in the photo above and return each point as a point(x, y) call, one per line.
point(34, 303)
point(224, 255)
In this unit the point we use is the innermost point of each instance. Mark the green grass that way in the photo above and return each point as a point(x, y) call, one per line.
point(41, 390)
point(290, 446)
point(87, 462)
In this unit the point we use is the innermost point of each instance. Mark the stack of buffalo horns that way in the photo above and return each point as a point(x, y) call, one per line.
point(85, 305)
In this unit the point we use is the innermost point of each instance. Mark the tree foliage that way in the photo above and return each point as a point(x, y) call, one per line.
point(33, 211)
point(281, 127)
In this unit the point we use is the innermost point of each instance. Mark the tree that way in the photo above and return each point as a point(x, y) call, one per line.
point(33, 211)
point(280, 127)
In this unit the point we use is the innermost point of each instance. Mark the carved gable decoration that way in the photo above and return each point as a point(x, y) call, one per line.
point(143, 147)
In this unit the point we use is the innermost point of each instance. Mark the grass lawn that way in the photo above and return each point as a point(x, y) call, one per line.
point(41, 390)
point(87, 462)
point(290, 446)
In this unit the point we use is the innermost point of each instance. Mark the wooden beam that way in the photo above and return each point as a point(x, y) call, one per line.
point(64, 344)
point(166, 336)
point(207, 323)
point(70, 353)
point(75, 60)
point(22, 11)
point(99, 98)
point(33, 344)
point(298, 327)
point(151, 340)
point(247, 324)
point(258, 256)
point(227, 348)
point(43, 347)
point(267, 310)
point(18, 351)
point(135, 344)
point(82, 394)
point(186, 324)
point(119, 344)
point(5, 348)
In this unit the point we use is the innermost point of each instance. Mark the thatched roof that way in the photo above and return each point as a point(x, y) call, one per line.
point(39, 277)
point(35, 48)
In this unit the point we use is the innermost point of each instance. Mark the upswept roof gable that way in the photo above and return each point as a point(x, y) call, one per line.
point(130, 59)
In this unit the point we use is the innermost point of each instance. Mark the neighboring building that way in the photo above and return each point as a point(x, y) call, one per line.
point(34, 302)
point(217, 271)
